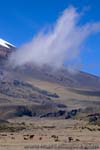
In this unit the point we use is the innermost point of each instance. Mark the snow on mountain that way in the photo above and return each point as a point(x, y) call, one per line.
point(5, 43)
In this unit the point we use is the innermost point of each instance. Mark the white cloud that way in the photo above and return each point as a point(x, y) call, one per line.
point(62, 42)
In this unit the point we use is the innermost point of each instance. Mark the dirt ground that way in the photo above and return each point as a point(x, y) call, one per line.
point(51, 134)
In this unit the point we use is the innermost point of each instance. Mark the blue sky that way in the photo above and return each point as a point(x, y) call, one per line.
point(21, 20)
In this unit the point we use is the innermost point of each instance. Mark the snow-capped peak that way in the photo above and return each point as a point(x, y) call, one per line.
point(5, 43)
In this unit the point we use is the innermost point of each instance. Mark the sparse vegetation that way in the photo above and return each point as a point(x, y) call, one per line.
point(11, 127)
point(40, 111)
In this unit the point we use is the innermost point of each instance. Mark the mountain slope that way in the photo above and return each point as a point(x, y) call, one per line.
point(5, 50)
point(42, 91)
point(61, 76)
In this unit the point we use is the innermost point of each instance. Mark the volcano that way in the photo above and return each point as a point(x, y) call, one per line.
point(36, 91)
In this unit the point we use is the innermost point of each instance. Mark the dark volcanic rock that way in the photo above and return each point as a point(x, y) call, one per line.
point(59, 113)
point(19, 89)
point(71, 113)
